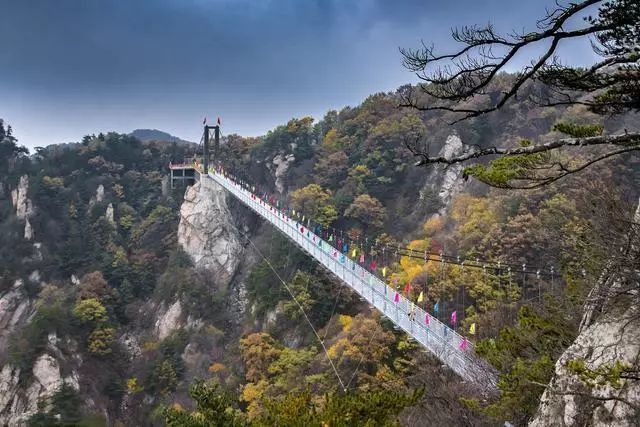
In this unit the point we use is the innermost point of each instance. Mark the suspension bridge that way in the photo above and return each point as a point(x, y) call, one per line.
point(438, 338)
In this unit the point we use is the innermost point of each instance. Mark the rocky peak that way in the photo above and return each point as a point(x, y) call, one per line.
point(23, 206)
point(206, 232)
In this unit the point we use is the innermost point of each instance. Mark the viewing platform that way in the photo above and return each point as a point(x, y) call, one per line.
point(183, 174)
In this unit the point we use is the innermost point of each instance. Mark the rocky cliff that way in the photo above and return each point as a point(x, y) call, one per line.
point(206, 232)
point(603, 387)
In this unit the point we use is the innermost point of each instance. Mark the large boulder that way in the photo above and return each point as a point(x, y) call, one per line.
point(206, 231)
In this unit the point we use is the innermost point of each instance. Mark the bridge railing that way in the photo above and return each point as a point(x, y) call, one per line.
point(450, 347)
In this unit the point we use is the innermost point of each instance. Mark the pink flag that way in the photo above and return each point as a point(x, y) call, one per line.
point(361, 258)
point(454, 318)
point(426, 318)
point(464, 344)
point(302, 229)
point(396, 297)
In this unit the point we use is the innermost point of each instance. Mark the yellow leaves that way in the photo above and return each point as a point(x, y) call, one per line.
point(149, 346)
point(337, 348)
point(133, 387)
point(214, 368)
point(253, 394)
point(53, 183)
point(433, 225)
point(100, 340)
point(331, 140)
point(90, 310)
point(345, 321)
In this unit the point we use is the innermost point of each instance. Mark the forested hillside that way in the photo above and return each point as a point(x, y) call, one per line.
point(107, 319)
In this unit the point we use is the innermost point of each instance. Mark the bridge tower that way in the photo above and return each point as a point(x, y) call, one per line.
point(216, 145)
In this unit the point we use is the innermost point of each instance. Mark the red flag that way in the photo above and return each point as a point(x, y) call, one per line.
point(407, 288)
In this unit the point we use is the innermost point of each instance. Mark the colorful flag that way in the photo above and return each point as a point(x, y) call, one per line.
point(218, 120)
point(362, 258)
point(454, 318)
point(384, 271)
point(354, 253)
point(464, 344)
point(204, 121)
point(435, 308)
point(472, 329)
point(426, 318)
point(407, 288)
point(396, 297)
point(331, 238)
point(421, 297)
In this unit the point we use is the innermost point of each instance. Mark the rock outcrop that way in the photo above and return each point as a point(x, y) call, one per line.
point(22, 204)
point(446, 181)
point(169, 321)
point(609, 334)
point(281, 162)
point(109, 214)
point(206, 233)
point(14, 309)
point(17, 403)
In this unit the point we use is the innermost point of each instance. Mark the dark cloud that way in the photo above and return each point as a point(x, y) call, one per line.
point(69, 67)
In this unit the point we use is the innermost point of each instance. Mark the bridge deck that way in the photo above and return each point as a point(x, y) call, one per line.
point(435, 336)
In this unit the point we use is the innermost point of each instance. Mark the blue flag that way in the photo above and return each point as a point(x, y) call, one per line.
point(435, 308)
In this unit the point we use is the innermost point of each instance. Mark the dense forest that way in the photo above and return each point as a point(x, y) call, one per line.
point(88, 240)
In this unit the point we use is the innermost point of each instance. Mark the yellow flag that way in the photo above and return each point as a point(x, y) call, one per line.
point(384, 271)
point(353, 253)
point(472, 329)
point(302, 218)
point(421, 297)
point(293, 212)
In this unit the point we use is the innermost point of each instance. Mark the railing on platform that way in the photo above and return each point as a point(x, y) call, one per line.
point(446, 344)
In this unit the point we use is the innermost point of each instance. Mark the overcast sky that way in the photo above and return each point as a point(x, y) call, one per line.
point(73, 67)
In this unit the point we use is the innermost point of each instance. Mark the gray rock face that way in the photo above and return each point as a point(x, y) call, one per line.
point(24, 208)
point(17, 404)
point(446, 181)
point(100, 193)
point(206, 232)
point(109, 214)
point(281, 163)
point(28, 230)
point(14, 308)
point(169, 321)
point(609, 334)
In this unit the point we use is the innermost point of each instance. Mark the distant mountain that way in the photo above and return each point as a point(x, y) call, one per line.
point(157, 135)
